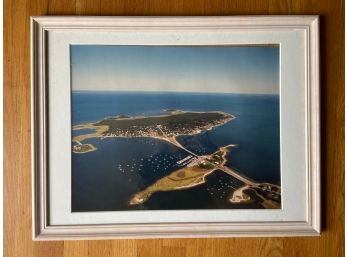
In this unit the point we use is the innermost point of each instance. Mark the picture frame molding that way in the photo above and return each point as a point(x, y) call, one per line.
point(42, 230)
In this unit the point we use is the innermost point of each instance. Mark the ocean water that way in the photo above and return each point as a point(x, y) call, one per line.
point(106, 179)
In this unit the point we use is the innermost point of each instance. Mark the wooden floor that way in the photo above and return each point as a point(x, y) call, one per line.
point(17, 178)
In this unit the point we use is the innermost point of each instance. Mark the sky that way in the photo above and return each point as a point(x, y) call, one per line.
point(210, 69)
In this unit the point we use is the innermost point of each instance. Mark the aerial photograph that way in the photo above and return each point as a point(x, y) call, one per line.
point(175, 127)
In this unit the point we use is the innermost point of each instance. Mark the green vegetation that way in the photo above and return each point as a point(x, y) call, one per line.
point(180, 179)
point(173, 124)
point(166, 127)
point(206, 166)
point(216, 157)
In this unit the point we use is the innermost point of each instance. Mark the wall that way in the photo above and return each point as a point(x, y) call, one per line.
point(17, 177)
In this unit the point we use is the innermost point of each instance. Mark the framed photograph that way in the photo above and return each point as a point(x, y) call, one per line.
point(175, 127)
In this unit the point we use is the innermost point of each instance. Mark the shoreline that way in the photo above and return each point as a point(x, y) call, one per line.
point(137, 117)
point(101, 129)
point(92, 148)
point(239, 196)
point(148, 192)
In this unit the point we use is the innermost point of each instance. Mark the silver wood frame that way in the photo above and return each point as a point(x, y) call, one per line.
point(42, 230)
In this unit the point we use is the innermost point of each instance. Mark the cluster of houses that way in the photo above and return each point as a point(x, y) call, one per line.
point(151, 131)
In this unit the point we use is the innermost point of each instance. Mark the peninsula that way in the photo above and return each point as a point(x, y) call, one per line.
point(195, 173)
point(165, 127)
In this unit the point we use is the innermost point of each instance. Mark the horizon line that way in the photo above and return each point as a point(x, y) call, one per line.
point(177, 92)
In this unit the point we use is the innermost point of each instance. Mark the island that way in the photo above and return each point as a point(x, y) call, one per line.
point(193, 168)
point(165, 127)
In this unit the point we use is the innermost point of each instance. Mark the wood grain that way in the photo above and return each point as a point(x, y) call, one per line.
point(17, 178)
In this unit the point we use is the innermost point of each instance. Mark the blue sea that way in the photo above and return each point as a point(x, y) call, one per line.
point(106, 179)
